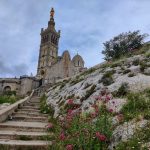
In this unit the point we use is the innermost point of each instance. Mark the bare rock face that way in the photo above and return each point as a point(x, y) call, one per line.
point(147, 71)
point(126, 131)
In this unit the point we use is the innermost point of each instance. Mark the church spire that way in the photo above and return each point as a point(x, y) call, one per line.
point(51, 23)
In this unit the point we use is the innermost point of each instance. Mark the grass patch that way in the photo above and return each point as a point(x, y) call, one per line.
point(138, 104)
point(77, 80)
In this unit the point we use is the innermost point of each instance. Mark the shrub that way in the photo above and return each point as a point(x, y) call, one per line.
point(131, 74)
point(136, 62)
point(89, 93)
point(126, 71)
point(8, 99)
point(123, 90)
point(44, 107)
point(143, 66)
point(107, 78)
point(123, 44)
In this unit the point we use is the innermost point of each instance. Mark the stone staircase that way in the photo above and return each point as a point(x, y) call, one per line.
point(26, 130)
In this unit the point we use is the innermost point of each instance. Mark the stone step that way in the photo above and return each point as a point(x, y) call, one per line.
point(30, 107)
point(30, 119)
point(23, 126)
point(28, 110)
point(19, 135)
point(34, 100)
point(24, 145)
point(32, 104)
point(35, 114)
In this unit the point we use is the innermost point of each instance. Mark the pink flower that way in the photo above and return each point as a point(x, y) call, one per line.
point(70, 101)
point(70, 111)
point(97, 97)
point(107, 98)
point(49, 126)
point(62, 136)
point(95, 107)
point(110, 110)
point(93, 115)
point(69, 147)
point(100, 136)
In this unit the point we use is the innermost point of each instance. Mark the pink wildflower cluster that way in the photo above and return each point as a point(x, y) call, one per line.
point(70, 102)
point(69, 147)
point(104, 96)
point(101, 137)
point(62, 136)
point(49, 126)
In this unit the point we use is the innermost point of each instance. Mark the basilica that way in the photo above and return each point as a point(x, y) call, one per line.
point(51, 67)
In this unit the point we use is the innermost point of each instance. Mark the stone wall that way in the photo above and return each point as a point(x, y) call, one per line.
point(13, 83)
point(22, 85)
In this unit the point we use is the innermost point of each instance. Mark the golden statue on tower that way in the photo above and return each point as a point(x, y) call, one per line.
point(52, 13)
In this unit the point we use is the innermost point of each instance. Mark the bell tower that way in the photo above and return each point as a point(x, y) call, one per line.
point(48, 54)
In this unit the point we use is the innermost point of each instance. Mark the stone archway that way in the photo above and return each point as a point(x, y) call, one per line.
point(7, 88)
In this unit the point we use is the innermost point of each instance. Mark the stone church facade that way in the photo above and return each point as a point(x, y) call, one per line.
point(51, 67)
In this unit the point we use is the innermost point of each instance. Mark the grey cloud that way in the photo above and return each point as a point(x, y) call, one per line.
point(13, 70)
point(85, 26)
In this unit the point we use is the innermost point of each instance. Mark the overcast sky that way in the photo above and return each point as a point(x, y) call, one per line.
point(84, 25)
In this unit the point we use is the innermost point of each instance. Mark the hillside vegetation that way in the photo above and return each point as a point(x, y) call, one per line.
point(105, 107)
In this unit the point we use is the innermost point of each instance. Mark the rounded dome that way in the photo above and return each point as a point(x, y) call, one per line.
point(78, 61)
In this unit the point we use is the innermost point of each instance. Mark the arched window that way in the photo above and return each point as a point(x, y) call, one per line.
point(78, 63)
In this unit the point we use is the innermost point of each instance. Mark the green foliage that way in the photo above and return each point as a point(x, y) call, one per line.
point(24, 138)
point(77, 80)
point(89, 71)
point(136, 62)
point(44, 107)
point(89, 93)
point(123, 44)
point(148, 55)
point(9, 93)
point(126, 71)
point(137, 104)
point(131, 74)
point(123, 90)
point(81, 132)
point(143, 66)
point(8, 99)
point(138, 140)
point(107, 78)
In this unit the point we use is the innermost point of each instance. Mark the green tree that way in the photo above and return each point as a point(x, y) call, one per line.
point(123, 44)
